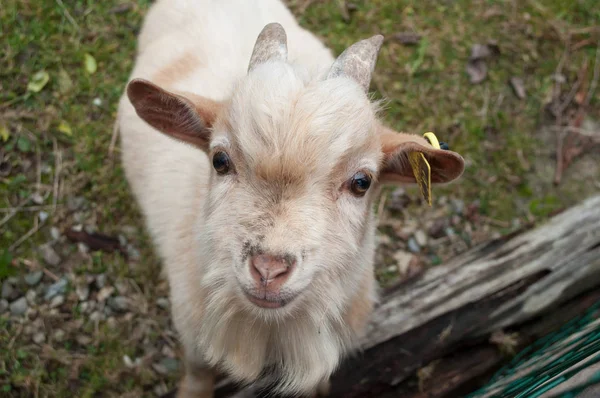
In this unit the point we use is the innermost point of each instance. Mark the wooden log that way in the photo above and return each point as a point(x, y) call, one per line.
point(499, 285)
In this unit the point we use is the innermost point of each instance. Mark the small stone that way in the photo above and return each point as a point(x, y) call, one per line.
point(49, 255)
point(100, 281)
point(75, 202)
point(54, 233)
point(82, 248)
point(33, 278)
point(97, 101)
point(39, 338)
point(83, 292)
point(57, 301)
point(3, 306)
point(31, 296)
point(127, 361)
point(19, 307)
point(436, 230)
point(132, 253)
point(161, 389)
point(119, 303)
point(403, 260)
point(7, 290)
point(163, 303)
point(398, 200)
point(59, 287)
point(43, 215)
point(37, 198)
point(83, 339)
point(58, 335)
point(450, 232)
point(105, 293)
point(97, 316)
point(413, 246)
point(160, 369)
point(458, 206)
point(111, 322)
point(171, 364)
point(168, 352)
point(122, 287)
point(421, 237)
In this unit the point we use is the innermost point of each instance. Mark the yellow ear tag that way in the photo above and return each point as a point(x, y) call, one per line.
point(422, 169)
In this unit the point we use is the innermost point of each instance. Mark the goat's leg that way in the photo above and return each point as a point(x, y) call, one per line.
point(198, 381)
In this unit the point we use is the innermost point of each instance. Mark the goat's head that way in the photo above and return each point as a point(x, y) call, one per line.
point(296, 162)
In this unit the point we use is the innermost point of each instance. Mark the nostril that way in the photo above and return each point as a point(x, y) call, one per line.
point(266, 268)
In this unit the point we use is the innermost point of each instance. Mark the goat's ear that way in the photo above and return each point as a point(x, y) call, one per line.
point(173, 114)
point(445, 165)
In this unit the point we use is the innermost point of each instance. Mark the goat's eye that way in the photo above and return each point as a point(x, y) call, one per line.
point(221, 162)
point(360, 183)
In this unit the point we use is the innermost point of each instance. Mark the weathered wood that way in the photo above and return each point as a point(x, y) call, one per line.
point(498, 285)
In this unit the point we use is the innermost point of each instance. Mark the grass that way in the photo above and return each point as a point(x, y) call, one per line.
point(55, 135)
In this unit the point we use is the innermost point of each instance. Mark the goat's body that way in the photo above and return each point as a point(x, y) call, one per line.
point(202, 48)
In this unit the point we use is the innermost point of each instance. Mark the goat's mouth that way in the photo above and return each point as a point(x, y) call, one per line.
point(269, 301)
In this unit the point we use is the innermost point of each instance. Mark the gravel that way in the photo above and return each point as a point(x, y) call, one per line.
point(49, 255)
point(3, 306)
point(59, 287)
point(413, 246)
point(31, 296)
point(7, 290)
point(33, 278)
point(19, 306)
point(57, 301)
point(39, 338)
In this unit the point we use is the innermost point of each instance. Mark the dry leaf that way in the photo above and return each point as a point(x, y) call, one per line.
point(38, 81)
point(407, 38)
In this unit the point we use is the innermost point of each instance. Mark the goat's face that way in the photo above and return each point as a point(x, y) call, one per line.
point(295, 165)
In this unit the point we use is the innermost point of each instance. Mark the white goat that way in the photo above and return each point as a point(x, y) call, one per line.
point(257, 184)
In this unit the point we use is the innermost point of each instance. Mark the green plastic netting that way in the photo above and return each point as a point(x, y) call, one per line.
point(563, 364)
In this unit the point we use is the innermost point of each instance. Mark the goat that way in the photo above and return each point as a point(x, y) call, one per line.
point(256, 168)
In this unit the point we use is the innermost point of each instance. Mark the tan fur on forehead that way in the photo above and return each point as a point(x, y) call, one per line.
point(288, 124)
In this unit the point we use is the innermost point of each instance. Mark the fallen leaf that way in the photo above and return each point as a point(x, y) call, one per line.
point(121, 8)
point(4, 133)
point(480, 51)
point(518, 87)
point(64, 128)
point(38, 81)
point(95, 241)
point(90, 64)
point(407, 38)
point(64, 81)
point(477, 71)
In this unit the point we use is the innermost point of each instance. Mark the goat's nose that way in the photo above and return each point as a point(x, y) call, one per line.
point(269, 270)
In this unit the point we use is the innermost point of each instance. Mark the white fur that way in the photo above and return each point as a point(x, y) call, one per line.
point(281, 115)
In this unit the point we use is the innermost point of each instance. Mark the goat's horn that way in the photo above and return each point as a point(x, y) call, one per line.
point(271, 44)
point(358, 61)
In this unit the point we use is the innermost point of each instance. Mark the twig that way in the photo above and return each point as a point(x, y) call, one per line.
point(113, 139)
point(50, 274)
point(29, 233)
point(68, 15)
point(25, 208)
point(14, 210)
point(595, 77)
point(57, 170)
